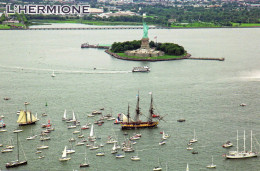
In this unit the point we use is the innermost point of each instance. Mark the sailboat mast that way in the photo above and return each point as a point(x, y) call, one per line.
point(251, 142)
point(128, 114)
point(244, 141)
point(17, 147)
point(237, 141)
point(25, 104)
point(151, 109)
point(137, 110)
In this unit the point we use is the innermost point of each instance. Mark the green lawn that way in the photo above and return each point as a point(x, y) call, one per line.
point(195, 25)
point(85, 22)
point(4, 26)
point(159, 57)
point(245, 24)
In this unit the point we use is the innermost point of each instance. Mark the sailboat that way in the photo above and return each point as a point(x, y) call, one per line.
point(91, 134)
point(26, 117)
point(31, 137)
point(64, 118)
point(187, 168)
point(243, 154)
point(73, 118)
point(194, 138)
point(64, 155)
point(53, 75)
point(135, 158)
point(212, 165)
point(157, 167)
point(137, 123)
point(2, 124)
point(114, 149)
point(17, 162)
point(85, 164)
point(36, 117)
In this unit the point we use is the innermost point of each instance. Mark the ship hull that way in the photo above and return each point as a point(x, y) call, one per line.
point(31, 123)
point(15, 164)
point(134, 125)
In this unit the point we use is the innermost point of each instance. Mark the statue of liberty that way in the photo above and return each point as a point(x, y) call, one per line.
point(145, 29)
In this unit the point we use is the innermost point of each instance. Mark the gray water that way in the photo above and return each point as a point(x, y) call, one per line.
point(206, 93)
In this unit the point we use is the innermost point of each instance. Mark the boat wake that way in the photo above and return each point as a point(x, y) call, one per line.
point(87, 71)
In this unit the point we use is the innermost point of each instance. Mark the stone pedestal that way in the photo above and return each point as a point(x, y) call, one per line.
point(145, 43)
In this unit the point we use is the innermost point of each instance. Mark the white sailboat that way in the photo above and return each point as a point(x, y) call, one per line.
point(243, 154)
point(31, 137)
point(64, 118)
point(91, 134)
point(187, 168)
point(36, 117)
point(157, 167)
point(85, 164)
point(73, 118)
point(114, 149)
point(194, 138)
point(212, 165)
point(64, 155)
point(53, 75)
point(135, 158)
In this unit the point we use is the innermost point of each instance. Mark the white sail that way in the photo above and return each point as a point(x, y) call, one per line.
point(187, 169)
point(64, 154)
point(73, 117)
point(125, 119)
point(65, 114)
point(114, 147)
point(91, 134)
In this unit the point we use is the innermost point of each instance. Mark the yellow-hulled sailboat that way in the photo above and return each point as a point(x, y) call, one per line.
point(26, 117)
point(128, 123)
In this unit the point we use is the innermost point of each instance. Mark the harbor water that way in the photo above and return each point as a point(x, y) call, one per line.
point(207, 94)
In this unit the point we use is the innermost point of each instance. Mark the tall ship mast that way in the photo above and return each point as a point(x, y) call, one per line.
point(137, 123)
point(26, 117)
point(17, 162)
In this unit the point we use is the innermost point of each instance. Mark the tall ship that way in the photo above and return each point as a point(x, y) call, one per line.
point(242, 154)
point(26, 117)
point(17, 162)
point(129, 123)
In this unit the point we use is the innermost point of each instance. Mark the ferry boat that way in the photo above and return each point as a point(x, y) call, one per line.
point(128, 123)
point(141, 69)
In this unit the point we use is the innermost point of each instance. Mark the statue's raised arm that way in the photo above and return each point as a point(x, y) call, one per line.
point(145, 29)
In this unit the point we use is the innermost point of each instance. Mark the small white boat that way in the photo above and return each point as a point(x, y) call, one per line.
point(100, 154)
point(41, 157)
point(72, 126)
point(6, 150)
point(76, 132)
point(227, 144)
point(162, 142)
point(42, 147)
point(242, 104)
point(2, 130)
point(141, 69)
point(17, 130)
point(64, 155)
point(189, 148)
point(212, 165)
point(80, 136)
point(37, 152)
point(91, 115)
point(135, 158)
point(53, 75)
point(120, 156)
point(157, 168)
point(79, 143)
point(194, 138)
